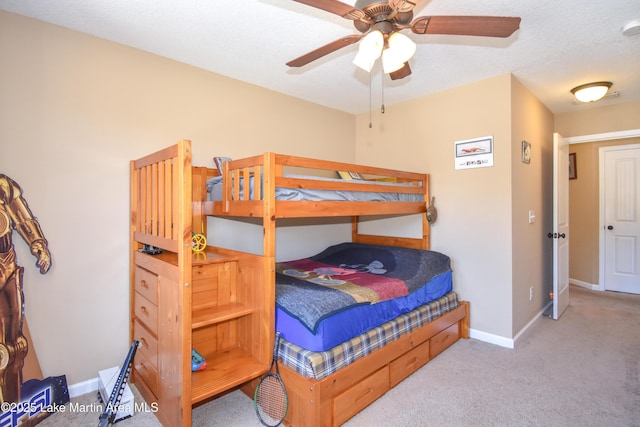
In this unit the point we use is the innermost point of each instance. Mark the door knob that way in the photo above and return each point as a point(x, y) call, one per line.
point(609, 227)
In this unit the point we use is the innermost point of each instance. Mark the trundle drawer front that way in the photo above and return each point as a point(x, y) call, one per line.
point(147, 372)
point(444, 339)
point(147, 284)
point(408, 363)
point(147, 313)
point(355, 399)
point(148, 343)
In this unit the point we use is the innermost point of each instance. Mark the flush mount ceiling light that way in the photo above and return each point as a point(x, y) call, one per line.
point(631, 28)
point(591, 92)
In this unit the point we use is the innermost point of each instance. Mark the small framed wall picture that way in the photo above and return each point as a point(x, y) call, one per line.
point(573, 166)
point(526, 152)
point(474, 153)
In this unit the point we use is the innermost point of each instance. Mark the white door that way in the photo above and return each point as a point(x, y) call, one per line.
point(621, 212)
point(560, 233)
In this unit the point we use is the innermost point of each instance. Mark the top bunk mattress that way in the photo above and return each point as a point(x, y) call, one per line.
point(215, 186)
point(350, 288)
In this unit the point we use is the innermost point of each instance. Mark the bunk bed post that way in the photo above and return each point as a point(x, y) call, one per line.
point(426, 226)
point(185, 230)
point(269, 251)
point(354, 228)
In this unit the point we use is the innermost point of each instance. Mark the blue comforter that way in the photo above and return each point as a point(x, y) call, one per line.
point(351, 274)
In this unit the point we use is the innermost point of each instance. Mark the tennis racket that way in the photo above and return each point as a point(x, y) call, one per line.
point(270, 399)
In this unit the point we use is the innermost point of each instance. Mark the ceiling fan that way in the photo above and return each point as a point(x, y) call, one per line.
point(380, 23)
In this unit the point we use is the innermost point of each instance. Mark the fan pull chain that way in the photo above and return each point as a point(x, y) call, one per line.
point(370, 104)
point(382, 89)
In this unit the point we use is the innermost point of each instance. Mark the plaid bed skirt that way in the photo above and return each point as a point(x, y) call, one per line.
point(321, 364)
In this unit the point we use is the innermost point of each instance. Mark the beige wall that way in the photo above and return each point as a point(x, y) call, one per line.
point(477, 207)
point(532, 261)
point(74, 110)
point(584, 209)
point(589, 120)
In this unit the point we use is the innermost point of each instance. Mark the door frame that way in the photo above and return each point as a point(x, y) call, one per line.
point(599, 137)
point(601, 201)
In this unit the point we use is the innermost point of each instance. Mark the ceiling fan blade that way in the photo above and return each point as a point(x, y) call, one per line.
point(487, 26)
point(336, 7)
point(324, 50)
point(401, 73)
point(403, 5)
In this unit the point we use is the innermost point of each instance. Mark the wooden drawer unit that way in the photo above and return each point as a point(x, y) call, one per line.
point(146, 284)
point(148, 343)
point(146, 371)
point(146, 312)
point(353, 400)
point(408, 363)
point(444, 339)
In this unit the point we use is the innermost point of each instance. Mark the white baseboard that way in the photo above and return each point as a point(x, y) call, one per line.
point(491, 338)
point(593, 287)
point(84, 387)
point(502, 341)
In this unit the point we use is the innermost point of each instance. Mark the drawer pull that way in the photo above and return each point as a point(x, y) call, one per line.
point(144, 310)
point(143, 283)
point(143, 342)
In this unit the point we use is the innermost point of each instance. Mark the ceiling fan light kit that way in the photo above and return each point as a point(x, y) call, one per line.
point(401, 49)
point(380, 23)
point(369, 50)
point(591, 92)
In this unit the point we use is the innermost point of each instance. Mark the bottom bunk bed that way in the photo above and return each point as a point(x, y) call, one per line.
point(333, 395)
point(337, 357)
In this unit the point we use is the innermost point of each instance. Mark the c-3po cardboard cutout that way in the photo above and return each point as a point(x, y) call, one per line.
point(15, 215)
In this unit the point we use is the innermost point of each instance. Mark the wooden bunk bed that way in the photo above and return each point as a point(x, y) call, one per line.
point(222, 301)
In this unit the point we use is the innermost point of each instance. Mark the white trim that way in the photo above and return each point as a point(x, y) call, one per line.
point(586, 285)
point(608, 136)
point(84, 387)
point(491, 338)
point(502, 341)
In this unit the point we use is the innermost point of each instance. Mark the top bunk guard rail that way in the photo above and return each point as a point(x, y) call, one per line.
point(245, 195)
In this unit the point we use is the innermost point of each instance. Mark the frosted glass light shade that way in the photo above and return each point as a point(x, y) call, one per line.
point(591, 92)
point(369, 50)
point(401, 49)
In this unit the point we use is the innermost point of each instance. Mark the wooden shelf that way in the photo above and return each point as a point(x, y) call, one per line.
point(207, 257)
point(210, 256)
point(216, 314)
point(224, 370)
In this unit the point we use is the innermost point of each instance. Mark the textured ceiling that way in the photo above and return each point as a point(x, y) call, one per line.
point(560, 44)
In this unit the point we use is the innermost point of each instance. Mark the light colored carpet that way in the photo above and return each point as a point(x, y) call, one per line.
point(582, 370)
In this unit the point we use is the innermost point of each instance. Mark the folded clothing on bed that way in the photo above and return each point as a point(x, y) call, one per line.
point(313, 364)
point(350, 288)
